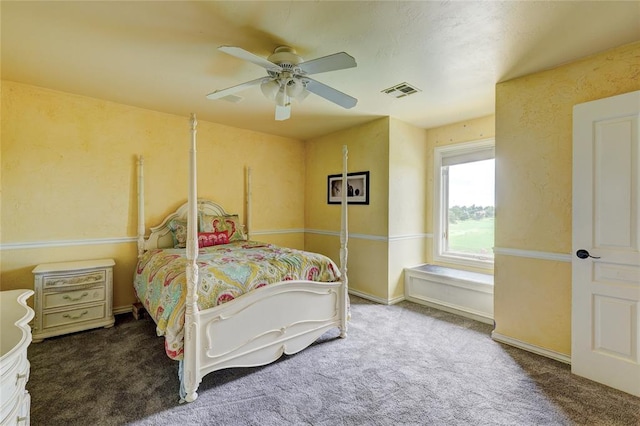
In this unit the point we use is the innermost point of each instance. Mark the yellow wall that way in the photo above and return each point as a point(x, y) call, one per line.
point(533, 190)
point(388, 234)
point(408, 171)
point(456, 133)
point(69, 181)
point(368, 224)
point(69, 174)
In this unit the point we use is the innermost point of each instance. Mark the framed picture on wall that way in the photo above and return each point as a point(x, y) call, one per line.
point(357, 188)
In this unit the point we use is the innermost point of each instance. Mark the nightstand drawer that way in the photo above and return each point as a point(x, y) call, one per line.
point(56, 319)
point(56, 299)
point(74, 279)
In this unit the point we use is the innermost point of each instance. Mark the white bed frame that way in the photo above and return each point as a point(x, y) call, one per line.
point(258, 327)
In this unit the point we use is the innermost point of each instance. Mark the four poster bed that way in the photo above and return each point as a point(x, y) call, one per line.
point(227, 301)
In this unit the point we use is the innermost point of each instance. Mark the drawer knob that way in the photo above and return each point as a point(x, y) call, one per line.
point(75, 317)
point(75, 299)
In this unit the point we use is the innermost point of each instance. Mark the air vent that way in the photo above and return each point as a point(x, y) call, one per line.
point(401, 90)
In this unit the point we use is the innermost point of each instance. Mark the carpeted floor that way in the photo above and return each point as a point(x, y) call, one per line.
point(400, 365)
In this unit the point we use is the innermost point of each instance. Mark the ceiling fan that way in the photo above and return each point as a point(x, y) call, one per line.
point(288, 78)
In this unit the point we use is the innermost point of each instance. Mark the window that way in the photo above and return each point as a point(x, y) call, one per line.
point(464, 195)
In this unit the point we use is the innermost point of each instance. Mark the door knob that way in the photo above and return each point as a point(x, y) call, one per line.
point(583, 254)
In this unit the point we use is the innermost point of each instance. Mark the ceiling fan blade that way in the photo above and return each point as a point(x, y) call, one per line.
point(330, 94)
point(248, 56)
point(230, 90)
point(337, 61)
point(283, 112)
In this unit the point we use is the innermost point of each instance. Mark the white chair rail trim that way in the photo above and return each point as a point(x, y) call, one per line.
point(409, 237)
point(532, 254)
point(277, 231)
point(123, 240)
point(370, 237)
point(66, 243)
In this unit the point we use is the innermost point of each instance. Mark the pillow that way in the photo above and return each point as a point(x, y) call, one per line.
point(208, 239)
point(229, 223)
point(178, 229)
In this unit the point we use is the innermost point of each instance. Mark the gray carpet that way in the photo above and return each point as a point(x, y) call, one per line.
point(403, 364)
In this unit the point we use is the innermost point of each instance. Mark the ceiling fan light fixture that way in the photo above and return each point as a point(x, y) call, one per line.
point(294, 88)
point(302, 96)
point(282, 99)
point(270, 89)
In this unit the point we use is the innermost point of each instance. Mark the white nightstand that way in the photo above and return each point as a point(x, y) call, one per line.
point(72, 296)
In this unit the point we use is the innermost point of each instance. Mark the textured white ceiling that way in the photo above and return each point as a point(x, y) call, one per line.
point(163, 55)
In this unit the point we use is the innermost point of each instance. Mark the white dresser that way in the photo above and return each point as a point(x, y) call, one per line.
point(72, 296)
point(14, 366)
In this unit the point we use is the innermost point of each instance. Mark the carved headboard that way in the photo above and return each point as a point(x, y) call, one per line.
point(160, 236)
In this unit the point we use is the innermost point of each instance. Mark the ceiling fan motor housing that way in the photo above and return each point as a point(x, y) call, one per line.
point(289, 77)
point(285, 55)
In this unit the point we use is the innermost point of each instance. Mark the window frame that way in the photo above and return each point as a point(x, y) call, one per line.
point(440, 205)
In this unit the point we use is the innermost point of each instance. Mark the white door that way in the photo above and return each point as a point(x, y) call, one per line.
point(606, 232)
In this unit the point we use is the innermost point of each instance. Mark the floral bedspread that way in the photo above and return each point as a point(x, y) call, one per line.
point(225, 272)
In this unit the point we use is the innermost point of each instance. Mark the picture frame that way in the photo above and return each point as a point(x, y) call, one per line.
point(358, 192)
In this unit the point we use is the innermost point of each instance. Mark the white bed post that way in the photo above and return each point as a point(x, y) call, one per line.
point(191, 367)
point(141, 226)
point(344, 237)
point(248, 220)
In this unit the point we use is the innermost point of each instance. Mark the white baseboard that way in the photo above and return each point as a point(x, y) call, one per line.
point(122, 310)
point(461, 312)
point(375, 298)
point(531, 348)
point(396, 300)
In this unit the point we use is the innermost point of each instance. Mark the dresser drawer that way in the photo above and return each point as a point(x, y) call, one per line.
point(16, 413)
point(86, 278)
point(15, 336)
point(72, 316)
point(10, 412)
point(12, 378)
point(15, 374)
point(75, 297)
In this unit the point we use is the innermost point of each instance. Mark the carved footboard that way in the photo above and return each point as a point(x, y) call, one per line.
point(259, 327)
